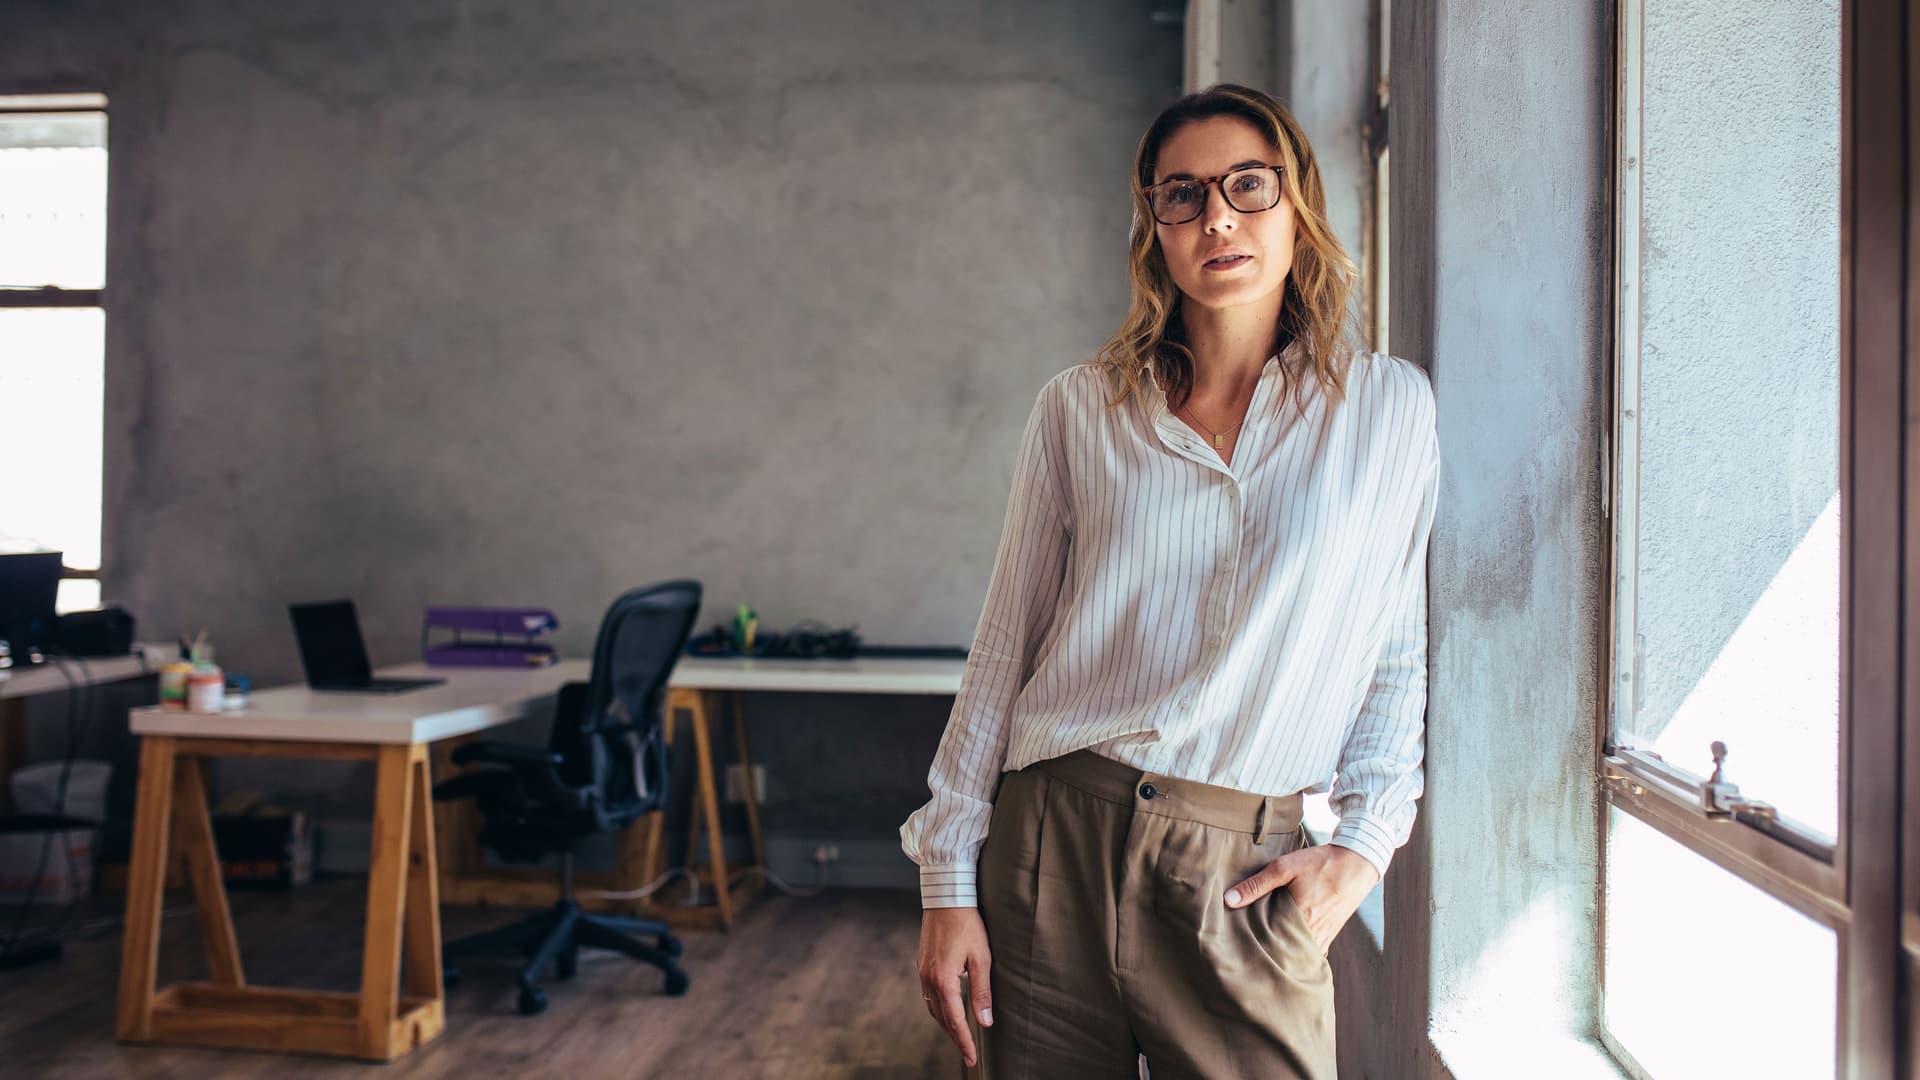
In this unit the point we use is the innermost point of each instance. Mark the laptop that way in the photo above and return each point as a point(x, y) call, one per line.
point(335, 656)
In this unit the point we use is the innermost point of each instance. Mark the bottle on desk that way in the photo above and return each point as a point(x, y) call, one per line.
point(206, 685)
point(173, 684)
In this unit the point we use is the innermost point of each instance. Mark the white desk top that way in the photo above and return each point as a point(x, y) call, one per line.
point(48, 678)
point(474, 699)
point(868, 676)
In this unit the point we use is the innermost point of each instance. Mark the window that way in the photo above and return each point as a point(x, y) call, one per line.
point(53, 201)
point(1743, 892)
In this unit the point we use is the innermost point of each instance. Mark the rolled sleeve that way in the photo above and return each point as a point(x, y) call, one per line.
point(949, 885)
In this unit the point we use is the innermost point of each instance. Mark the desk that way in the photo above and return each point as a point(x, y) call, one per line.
point(698, 682)
point(23, 683)
point(405, 881)
point(699, 688)
point(403, 908)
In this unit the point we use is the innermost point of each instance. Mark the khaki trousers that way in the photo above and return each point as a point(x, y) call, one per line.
point(1102, 889)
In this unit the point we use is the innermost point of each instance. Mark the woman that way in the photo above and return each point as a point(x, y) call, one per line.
point(1209, 598)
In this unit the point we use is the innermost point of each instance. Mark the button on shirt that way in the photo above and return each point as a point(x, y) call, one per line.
point(1259, 625)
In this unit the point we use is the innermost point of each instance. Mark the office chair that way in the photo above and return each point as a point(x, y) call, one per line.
point(605, 764)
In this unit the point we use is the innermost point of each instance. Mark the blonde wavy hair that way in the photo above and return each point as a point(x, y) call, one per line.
point(1314, 311)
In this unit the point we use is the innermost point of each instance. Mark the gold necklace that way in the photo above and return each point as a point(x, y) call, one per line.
point(1219, 437)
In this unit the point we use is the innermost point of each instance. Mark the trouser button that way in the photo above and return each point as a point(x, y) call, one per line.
point(1146, 791)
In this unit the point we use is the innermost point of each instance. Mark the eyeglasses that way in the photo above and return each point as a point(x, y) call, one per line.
point(1176, 202)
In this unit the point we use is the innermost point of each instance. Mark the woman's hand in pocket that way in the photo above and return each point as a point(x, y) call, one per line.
point(953, 942)
point(1328, 884)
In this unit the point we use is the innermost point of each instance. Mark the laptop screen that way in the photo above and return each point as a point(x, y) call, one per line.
point(331, 648)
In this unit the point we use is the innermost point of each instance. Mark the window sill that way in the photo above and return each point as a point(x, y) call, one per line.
point(1499, 1053)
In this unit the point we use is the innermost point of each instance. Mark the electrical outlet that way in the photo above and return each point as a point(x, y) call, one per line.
point(826, 853)
point(736, 791)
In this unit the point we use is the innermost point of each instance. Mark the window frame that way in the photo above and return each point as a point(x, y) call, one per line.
point(1851, 885)
point(1875, 280)
point(1885, 60)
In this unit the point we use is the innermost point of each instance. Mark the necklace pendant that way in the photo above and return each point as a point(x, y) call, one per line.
point(1219, 441)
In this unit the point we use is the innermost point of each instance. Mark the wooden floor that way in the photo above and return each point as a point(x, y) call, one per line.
point(820, 986)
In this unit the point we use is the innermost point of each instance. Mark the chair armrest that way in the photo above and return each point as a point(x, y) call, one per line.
point(500, 753)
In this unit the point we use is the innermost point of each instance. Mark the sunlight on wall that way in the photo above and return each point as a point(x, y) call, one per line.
point(1491, 988)
point(1773, 691)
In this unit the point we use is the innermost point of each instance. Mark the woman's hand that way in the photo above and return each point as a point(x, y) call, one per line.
point(1328, 883)
point(952, 941)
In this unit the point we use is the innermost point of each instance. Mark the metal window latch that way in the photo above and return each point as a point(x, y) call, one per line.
point(1719, 797)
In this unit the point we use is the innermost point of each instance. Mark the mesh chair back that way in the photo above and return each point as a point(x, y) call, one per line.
point(611, 737)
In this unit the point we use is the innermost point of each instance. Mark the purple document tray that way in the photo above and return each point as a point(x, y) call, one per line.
point(481, 637)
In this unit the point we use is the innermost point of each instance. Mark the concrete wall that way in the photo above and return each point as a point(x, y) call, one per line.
point(1230, 41)
point(490, 302)
point(1325, 75)
point(1740, 402)
point(1500, 211)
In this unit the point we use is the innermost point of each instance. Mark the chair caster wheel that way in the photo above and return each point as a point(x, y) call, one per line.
point(668, 945)
point(532, 1002)
point(676, 983)
point(449, 976)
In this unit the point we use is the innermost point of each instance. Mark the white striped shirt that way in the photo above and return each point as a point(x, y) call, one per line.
point(1259, 625)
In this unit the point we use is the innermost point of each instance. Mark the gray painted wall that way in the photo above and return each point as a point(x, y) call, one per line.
point(1500, 211)
point(1325, 75)
point(492, 302)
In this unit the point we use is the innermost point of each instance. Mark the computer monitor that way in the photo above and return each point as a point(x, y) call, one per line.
point(29, 584)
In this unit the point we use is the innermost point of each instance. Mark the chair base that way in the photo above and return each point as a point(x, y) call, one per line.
point(554, 938)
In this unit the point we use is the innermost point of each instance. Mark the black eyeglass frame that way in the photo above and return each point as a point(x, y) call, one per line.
point(1279, 189)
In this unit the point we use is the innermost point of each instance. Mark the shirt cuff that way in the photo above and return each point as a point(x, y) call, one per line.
point(948, 885)
point(1367, 838)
